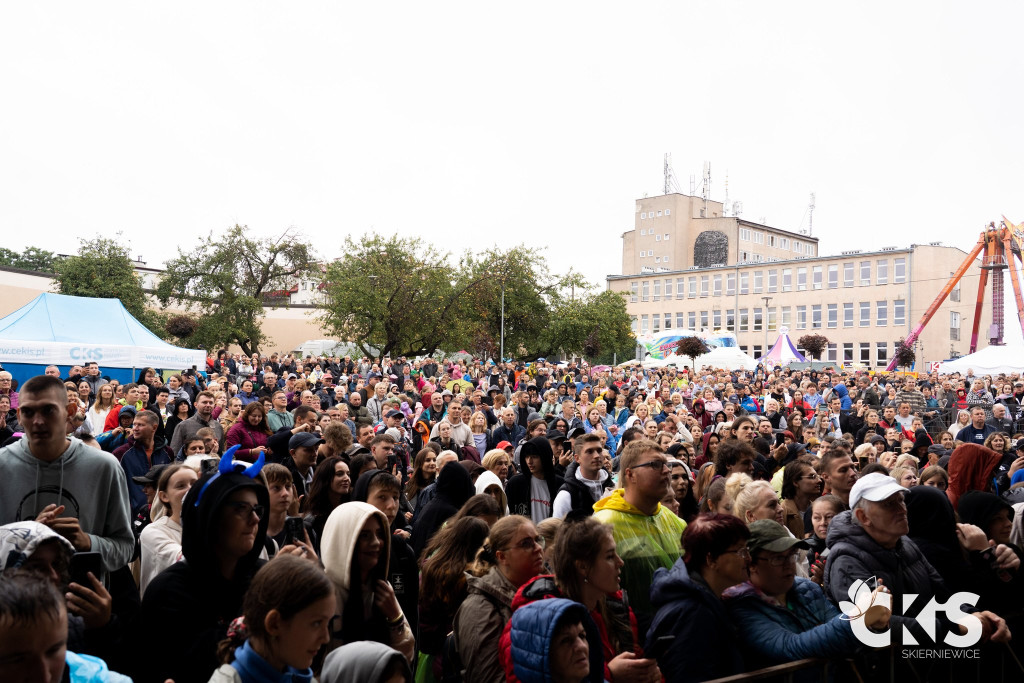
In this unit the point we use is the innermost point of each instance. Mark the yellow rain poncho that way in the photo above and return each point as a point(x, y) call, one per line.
point(644, 542)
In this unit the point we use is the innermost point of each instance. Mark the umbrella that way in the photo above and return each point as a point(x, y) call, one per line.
point(600, 368)
point(457, 386)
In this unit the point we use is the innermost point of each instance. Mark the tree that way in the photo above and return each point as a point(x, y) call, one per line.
point(691, 347)
point(32, 258)
point(102, 268)
point(227, 279)
point(814, 344)
point(586, 325)
point(395, 296)
point(905, 355)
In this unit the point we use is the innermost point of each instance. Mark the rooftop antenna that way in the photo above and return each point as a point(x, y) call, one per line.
point(706, 188)
point(668, 172)
point(693, 184)
point(810, 217)
point(725, 207)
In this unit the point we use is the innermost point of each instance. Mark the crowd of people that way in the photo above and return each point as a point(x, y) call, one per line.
point(275, 518)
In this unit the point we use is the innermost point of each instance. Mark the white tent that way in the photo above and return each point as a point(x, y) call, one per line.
point(991, 360)
point(727, 357)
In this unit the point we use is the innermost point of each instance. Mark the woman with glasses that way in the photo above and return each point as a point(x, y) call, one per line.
point(512, 555)
point(800, 486)
point(223, 530)
point(690, 615)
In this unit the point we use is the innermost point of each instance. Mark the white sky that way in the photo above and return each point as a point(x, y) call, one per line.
point(477, 124)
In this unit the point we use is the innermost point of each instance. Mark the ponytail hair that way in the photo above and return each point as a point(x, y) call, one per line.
point(502, 533)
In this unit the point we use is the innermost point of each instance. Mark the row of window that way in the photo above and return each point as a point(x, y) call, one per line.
point(806, 278)
point(657, 236)
point(657, 259)
point(777, 241)
point(644, 216)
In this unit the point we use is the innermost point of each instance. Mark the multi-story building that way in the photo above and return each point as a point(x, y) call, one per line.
point(688, 267)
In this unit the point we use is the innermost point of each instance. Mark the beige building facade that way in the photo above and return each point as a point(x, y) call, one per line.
point(753, 280)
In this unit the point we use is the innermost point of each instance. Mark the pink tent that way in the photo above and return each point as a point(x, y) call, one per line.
point(783, 353)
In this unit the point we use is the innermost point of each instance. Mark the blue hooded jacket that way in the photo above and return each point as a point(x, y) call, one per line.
point(809, 628)
point(534, 626)
point(845, 402)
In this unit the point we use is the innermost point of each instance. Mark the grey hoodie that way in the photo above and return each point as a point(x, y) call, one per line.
point(88, 482)
point(364, 661)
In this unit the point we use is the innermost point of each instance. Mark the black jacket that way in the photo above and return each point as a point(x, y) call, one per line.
point(452, 489)
point(518, 488)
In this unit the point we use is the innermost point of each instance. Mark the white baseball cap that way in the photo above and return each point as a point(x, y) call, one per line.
point(875, 487)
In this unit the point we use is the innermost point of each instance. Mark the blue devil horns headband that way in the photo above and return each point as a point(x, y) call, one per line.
point(228, 465)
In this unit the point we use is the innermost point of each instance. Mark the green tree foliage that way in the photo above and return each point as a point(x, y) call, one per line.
point(32, 258)
point(226, 280)
point(394, 296)
point(102, 268)
point(813, 344)
point(404, 297)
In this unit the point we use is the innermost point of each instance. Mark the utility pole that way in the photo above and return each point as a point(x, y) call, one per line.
point(502, 351)
point(767, 300)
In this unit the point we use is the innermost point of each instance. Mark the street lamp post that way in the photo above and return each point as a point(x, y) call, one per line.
point(501, 351)
point(767, 300)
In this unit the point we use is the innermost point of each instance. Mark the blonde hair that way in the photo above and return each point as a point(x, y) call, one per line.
point(736, 482)
point(749, 497)
point(907, 460)
point(492, 457)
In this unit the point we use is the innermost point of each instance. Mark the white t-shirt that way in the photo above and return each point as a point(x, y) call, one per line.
point(540, 500)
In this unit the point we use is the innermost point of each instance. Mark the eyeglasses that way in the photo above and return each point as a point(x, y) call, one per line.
point(812, 477)
point(657, 465)
point(779, 560)
point(242, 510)
point(742, 552)
point(529, 542)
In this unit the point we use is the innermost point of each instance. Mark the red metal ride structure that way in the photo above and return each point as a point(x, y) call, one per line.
point(998, 248)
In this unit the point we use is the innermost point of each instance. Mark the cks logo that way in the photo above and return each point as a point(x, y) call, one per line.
point(86, 353)
point(861, 597)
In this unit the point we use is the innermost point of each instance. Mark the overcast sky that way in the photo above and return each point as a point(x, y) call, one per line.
point(482, 124)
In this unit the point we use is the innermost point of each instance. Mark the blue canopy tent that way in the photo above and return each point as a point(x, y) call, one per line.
point(54, 329)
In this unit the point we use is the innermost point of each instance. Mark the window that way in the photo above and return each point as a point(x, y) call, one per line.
point(679, 320)
point(730, 320)
point(668, 321)
point(954, 326)
point(744, 234)
point(668, 289)
point(865, 273)
point(668, 212)
point(633, 286)
point(847, 275)
point(797, 246)
point(633, 323)
point(666, 237)
point(744, 320)
point(882, 272)
point(716, 319)
point(758, 282)
point(730, 284)
point(657, 259)
point(899, 312)
point(772, 321)
point(881, 354)
point(810, 252)
point(833, 276)
point(704, 281)
point(771, 240)
point(759, 237)
point(801, 279)
point(657, 290)
point(656, 323)
point(703, 320)
point(646, 289)
point(785, 243)
point(643, 232)
point(833, 316)
point(865, 353)
point(744, 283)
point(717, 289)
point(955, 294)
point(801, 317)
point(831, 353)
point(757, 351)
point(787, 279)
point(691, 319)
point(657, 238)
point(816, 278)
point(899, 270)
point(848, 352)
point(692, 284)
point(659, 213)
point(786, 319)
point(865, 313)
point(643, 216)
point(643, 324)
point(758, 320)
point(816, 317)
point(883, 313)
point(773, 281)
point(848, 315)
